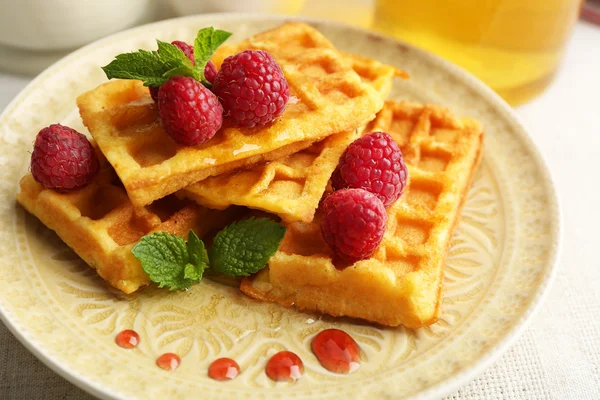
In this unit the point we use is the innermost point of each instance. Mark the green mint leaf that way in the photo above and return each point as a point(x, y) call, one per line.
point(196, 249)
point(164, 258)
point(169, 53)
point(154, 68)
point(180, 71)
point(144, 65)
point(194, 272)
point(206, 43)
point(198, 258)
point(182, 65)
point(245, 247)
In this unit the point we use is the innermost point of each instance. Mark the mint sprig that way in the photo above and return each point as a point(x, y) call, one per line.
point(144, 65)
point(240, 249)
point(169, 261)
point(207, 42)
point(245, 247)
point(155, 68)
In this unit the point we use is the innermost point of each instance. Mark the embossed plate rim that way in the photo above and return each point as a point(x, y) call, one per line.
point(462, 76)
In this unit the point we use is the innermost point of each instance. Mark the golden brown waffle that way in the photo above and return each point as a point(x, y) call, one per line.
point(290, 187)
point(101, 225)
point(374, 73)
point(370, 71)
point(402, 282)
point(328, 95)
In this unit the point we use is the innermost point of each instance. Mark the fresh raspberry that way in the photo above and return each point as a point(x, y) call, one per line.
point(210, 71)
point(252, 88)
point(63, 159)
point(353, 223)
point(189, 112)
point(187, 49)
point(374, 163)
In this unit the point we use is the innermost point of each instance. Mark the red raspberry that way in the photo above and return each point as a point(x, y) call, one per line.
point(63, 159)
point(187, 49)
point(353, 223)
point(252, 88)
point(210, 71)
point(189, 112)
point(374, 163)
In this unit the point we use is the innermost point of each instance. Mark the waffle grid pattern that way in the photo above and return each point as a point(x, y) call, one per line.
point(401, 283)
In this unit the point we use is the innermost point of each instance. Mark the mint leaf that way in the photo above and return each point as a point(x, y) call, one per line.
point(194, 272)
point(174, 56)
point(180, 71)
point(144, 65)
point(169, 53)
point(164, 257)
point(198, 258)
point(206, 43)
point(169, 262)
point(154, 68)
point(198, 254)
point(245, 247)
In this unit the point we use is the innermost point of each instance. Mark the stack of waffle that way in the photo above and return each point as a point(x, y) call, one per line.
point(148, 183)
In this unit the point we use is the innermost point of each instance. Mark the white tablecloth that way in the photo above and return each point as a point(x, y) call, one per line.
point(558, 357)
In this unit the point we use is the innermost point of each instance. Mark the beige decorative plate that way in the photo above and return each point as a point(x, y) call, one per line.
point(500, 265)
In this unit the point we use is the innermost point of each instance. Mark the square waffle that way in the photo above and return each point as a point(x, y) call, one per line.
point(329, 97)
point(402, 282)
point(101, 225)
point(291, 187)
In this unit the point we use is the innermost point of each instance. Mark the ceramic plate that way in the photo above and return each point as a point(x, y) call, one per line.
point(500, 264)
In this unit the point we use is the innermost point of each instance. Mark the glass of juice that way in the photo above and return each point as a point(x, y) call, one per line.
point(515, 46)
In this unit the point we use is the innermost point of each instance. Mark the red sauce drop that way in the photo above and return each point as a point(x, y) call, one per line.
point(168, 361)
point(128, 339)
point(336, 351)
point(285, 366)
point(223, 369)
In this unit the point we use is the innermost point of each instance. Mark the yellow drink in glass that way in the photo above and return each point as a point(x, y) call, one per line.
point(515, 46)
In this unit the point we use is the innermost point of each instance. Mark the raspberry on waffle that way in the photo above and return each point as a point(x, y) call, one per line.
point(252, 88)
point(330, 98)
point(210, 71)
point(101, 225)
point(374, 163)
point(189, 113)
point(353, 223)
point(402, 282)
point(290, 187)
point(63, 159)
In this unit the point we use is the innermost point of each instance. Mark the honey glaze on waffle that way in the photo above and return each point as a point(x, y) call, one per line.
point(402, 282)
point(101, 225)
point(331, 98)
